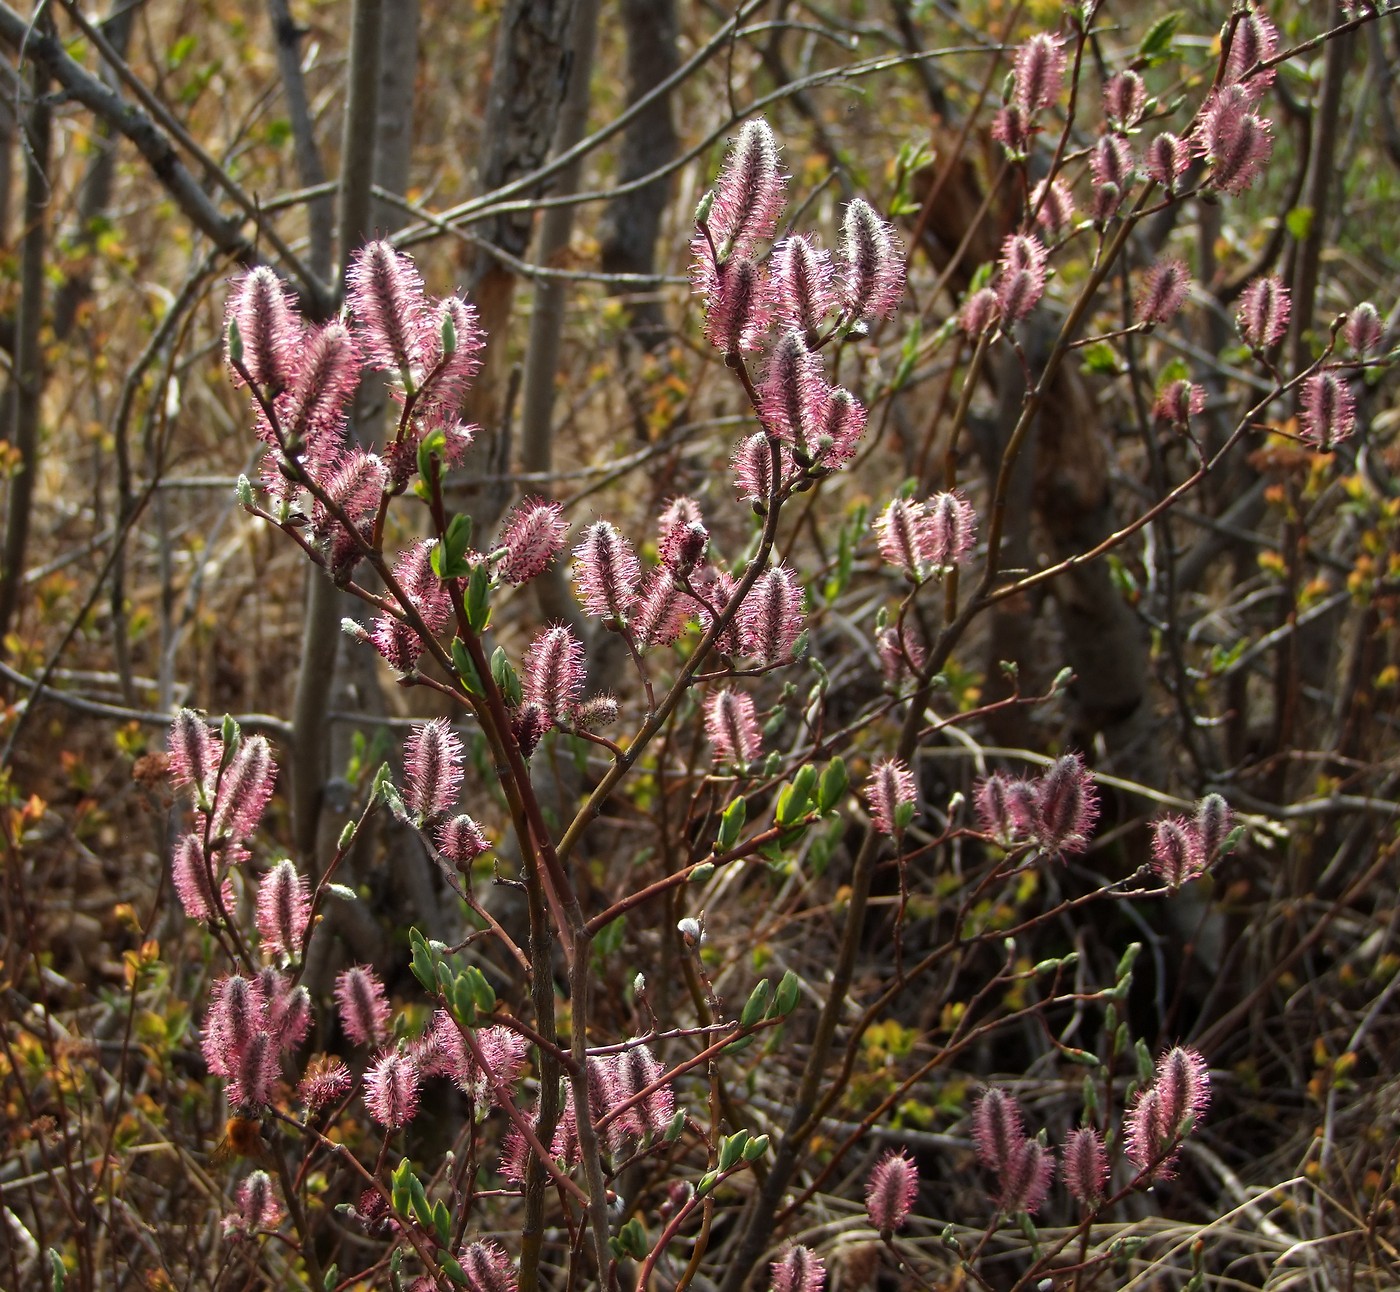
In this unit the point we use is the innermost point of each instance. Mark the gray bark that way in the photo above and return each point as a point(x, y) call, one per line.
point(28, 377)
point(632, 221)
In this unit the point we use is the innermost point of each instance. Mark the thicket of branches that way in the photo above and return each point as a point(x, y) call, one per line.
point(806, 598)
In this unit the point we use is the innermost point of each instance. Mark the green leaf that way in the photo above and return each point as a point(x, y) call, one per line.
point(702, 873)
point(399, 1191)
point(418, 1199)
point(424, 964)
point(707, 1182)
point(794, 798)
point(432, 445)
point(478, 599)
point(235, 343)
point(1100, 359)
point(459, 993)
point(731, 1149)
point(466, 670)
point(453, 1270)
point(1146, 1068)
point(506, 678)
point(757, 1004)
point(449, 556)
point(832, 787)
point(1158, 41)
point(332, 1277)
point(755, 1148)
point(1175, 370)
point(243, 491)
point(483, 994)
point(785, 998)
point(730, 825)
point(1299, 222)
point(58, 1272)
point(442, 1222)
point(632, 1239)
point(1125, 961)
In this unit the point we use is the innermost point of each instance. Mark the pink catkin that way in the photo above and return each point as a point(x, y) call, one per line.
point(1363, 330)
point(752, 468)
point(1021, 283)
point(1166, 1110)
point(979, 312)
point(1255, 41)
point(554, 674)
point(461, 840)
point(195, 752)
point(288, 1009)
point(997, 1128)
point(312, 410)
point(739, 308)
point(448, 375)
point(683, 546)
point(803, 285)
point(1124, 98)
point(1025, 1181)
point(363, 1005)
point(284, 908)
point(1066, 807)
point(256, 1208)
point(1177, 854)
point(1084, 1165)
point(1265, 306)
point(532, 536)
point(840, 428)
point(1234, 141)
point(244, 789)
point(193, 877)
point(1164, 289)
point(793, 393)
point(663, 610)
point(326, 1082)
point(749, 193)
point(891, 791)
point(1178, 402)
point(433, 767)
point(771, 619)
point(716, 589)
point(391, 1090)
point(487, 1267)
point(253, 1073)
point(950, 530)
point(385, 296)
point(1214, 820)
point(1053, 204)
point(1167, 159)
point(871, 264)
point(900, 536)
point(732, 728)
point(799, 1269)
point(1328, 409)
point(1038, 72)
point(607, 572)
point(891, 1191)
point(269, 328)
